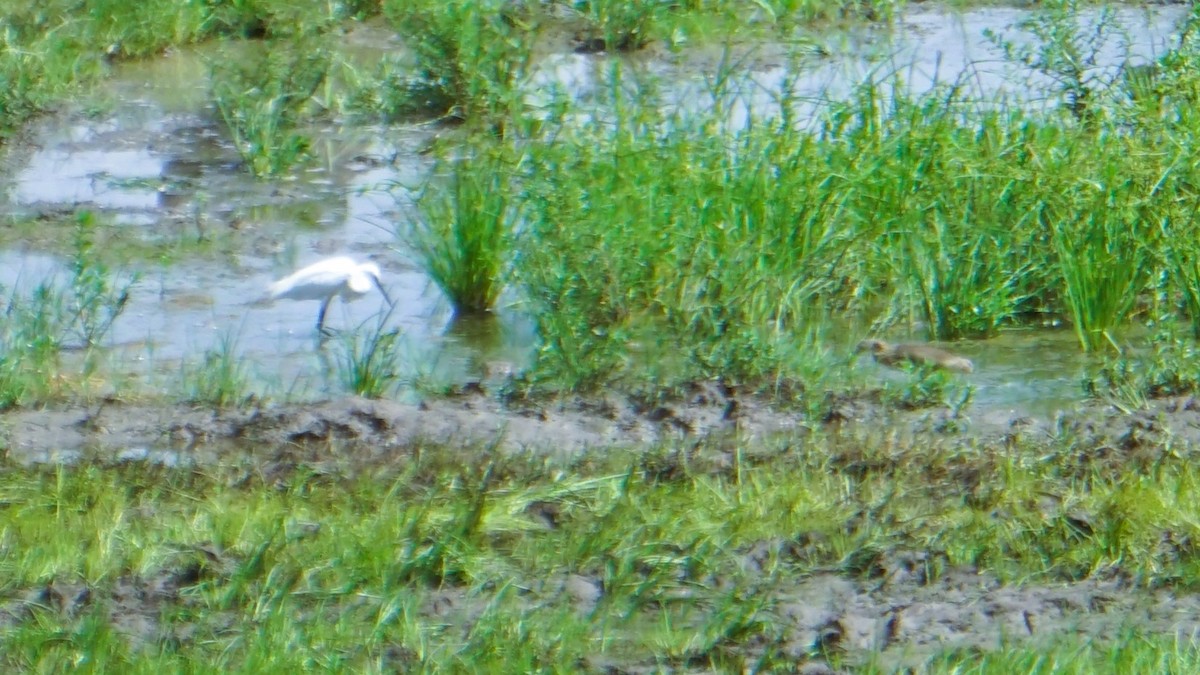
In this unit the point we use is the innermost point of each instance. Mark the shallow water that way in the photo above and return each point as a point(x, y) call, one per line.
point(927, 47)
point(1027, 372)
point(157, 160)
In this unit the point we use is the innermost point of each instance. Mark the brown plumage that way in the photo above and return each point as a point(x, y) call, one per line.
point(920, 355)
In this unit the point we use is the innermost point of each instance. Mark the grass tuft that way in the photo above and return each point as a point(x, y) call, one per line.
point(463, 235)
point(220, 379)
point(264, 97)
point(369, 365)
point(471, 58)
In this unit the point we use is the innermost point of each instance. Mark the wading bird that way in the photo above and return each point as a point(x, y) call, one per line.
point(327, 278)
point(919, 355)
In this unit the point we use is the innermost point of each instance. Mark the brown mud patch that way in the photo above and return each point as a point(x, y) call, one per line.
point(905, 614)
point(470, 419)
point(704, 415)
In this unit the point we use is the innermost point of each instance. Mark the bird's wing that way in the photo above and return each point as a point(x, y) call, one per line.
point(310, 283)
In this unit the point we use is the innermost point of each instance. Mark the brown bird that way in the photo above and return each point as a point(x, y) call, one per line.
point(919, 355)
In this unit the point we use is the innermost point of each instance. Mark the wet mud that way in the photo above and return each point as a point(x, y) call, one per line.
point(905, 615)
point(709, 414)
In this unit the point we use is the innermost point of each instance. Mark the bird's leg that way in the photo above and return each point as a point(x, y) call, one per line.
point(321, 316)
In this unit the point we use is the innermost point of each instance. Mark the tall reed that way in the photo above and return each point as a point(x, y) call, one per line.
point(1101, 231)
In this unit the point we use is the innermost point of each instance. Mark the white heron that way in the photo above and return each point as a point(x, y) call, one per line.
point(325, 279)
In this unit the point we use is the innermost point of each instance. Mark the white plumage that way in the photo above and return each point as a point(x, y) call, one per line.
point(326, 279)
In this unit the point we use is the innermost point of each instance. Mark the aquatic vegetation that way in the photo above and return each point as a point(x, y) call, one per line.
point(657, 245)
point(264, 98)
point(462, 236)
point(37, 66)
point(1066, 48)
point(711, 245)
point(652, 247)
point(792, 12)
point(620, 25)
point(1181, 266)
point(56, 46)
point(368, 359)
point(220, 379)
point(951, 229)
point(55, 318)
point(1168, 366)
point(964, 218)
point(471, 57)
point(1101, 257)
point(96, 298)
point(929, 387)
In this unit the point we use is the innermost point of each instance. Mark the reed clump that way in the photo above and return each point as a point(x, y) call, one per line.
point(463, 232)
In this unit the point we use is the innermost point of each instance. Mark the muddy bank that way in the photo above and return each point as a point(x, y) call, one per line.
point(707, 415)
point(472, 419)
point(905, 616)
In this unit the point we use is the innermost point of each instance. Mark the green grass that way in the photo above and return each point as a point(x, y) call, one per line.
point(651, 226)
point(623, 25)
point(436, 557)
point(265, 97)
point(652, 248)
point(471, 57)
point(220, 379)
point(42, 325)
point(54, 49)
point(368, 359)
point(1132, 653)
point(463, 234)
